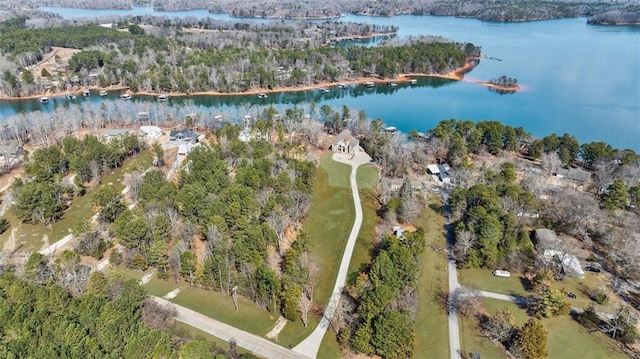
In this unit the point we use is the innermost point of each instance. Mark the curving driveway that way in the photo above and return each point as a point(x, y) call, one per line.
point(310, 346)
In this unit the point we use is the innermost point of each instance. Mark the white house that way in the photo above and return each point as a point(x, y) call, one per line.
point(346, 143)
point(150, 132)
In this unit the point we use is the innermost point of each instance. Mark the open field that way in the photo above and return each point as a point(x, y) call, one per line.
point(30, 236)
point(329, 222)
point(566, 338)
point(432, 340)
point(483, 279)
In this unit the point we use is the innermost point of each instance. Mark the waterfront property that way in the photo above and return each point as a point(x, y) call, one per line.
point(346, 143)
point(150, 132)
point(185, 135)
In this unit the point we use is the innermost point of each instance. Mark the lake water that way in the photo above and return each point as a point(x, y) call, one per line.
point(577, 78)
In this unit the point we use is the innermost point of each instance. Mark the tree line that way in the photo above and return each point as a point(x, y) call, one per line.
point(383, 298)
point(61, 309)
point(481, 9)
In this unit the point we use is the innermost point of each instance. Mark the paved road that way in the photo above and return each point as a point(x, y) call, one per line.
point(254, 343)
point(310, 346)
point(454, 329)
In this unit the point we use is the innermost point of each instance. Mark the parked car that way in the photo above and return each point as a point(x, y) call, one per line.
point(592, 268)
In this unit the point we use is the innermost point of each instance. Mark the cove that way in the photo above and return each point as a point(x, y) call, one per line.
point(579, 79)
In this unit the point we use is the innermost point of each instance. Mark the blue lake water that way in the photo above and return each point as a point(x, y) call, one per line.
point(577, 78)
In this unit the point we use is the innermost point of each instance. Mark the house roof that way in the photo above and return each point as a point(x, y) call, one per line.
point(544, 235)
point(115, 132)
point(347, 137)
point(434, 169)
point(184, 133)
point(10, 149)
point(150, 129)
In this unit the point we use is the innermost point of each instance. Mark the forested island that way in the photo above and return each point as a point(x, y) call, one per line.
point(156, 55)
point(503, 11)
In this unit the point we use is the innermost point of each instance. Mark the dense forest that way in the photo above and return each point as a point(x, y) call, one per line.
point(503, 10)
point(225, 58)
point(49, 312)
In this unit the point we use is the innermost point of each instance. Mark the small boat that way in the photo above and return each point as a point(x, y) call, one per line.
point(44, 99)
point(126, 96)
point(369, 84)
point(103, 93)
point(86, 93)
point(392, 84)
point(391, 129)
point(163, 98)
point(323, 90)
point(413, 82)
point(262, 95)
point(71, 96)
point(342, 86)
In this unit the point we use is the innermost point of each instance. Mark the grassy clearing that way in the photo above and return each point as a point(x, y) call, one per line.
point(182, 330)
point(568, 339)
point(366, 240)
point(565, 339)
point(494, 305)
point(220, 306)
point(471, 341)
point(329, 222)
point(480, 278)
point(30, 235)
point(329, 348)
point(432, 340)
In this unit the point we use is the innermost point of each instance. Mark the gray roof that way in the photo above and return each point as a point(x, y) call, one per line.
point(348, 138)
point(115, 132)
point(546, 236)
point(186, 133)
point(10, 150)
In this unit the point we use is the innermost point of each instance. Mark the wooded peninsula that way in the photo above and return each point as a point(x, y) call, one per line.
point(156, 55)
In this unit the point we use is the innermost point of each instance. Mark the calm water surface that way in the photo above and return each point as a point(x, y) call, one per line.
point(577, 78)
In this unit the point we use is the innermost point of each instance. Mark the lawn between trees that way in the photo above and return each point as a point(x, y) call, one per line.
point(566, 338)
point(330, 218)
point(80, 211)
point(432, 340)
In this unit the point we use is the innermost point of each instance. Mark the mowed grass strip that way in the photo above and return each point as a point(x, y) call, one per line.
point(432, 339)
point(329, 222)
point(80, 211)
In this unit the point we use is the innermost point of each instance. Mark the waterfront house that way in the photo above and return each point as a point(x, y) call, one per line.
point(346, 143)
point(185, 135)
point(150, 132)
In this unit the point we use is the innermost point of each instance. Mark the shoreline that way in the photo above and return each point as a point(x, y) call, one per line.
point(454, 75)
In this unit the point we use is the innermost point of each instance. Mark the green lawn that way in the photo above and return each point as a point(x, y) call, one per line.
point(329, 348)
point(329, 222)
point(568, 339)
point(565, 338)
point(80, 211)
point(480, 278)
point(432, 340)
